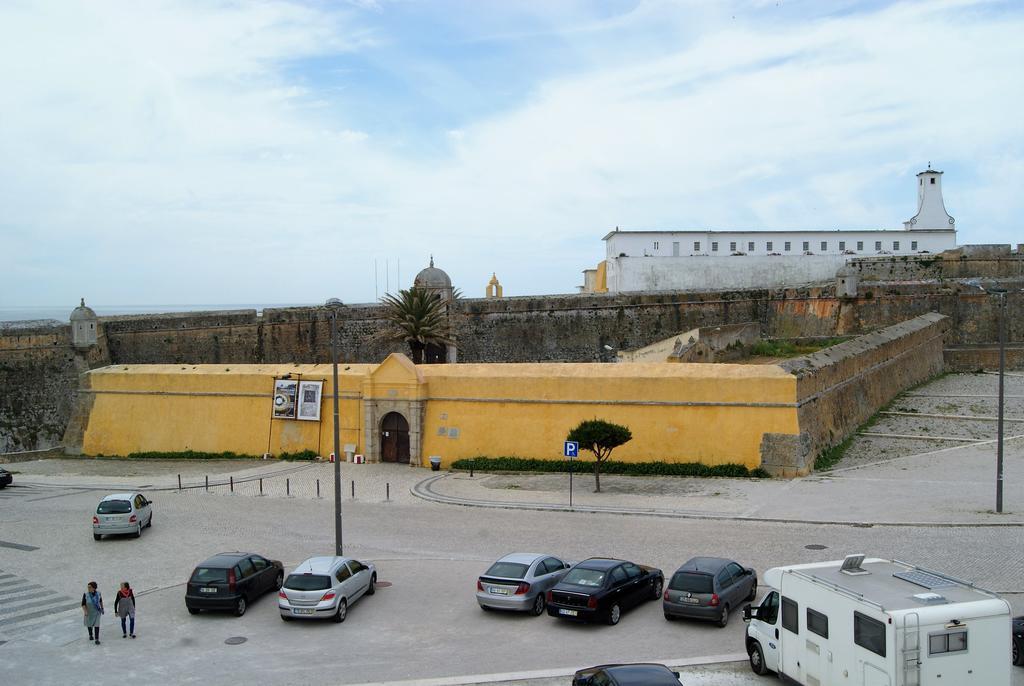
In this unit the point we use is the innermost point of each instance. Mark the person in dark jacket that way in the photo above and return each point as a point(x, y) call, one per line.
point(124, 607)
point(92, 610)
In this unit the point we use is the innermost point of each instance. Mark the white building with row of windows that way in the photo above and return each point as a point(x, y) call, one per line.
point(709, 259)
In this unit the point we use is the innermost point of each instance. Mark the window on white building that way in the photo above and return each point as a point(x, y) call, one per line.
point(714, 246)
point(655, 245)
point(842, 245)
point(750, 246)
point(788, 246)
point(696, 246)
point(807, 245)
point(860, 245)
point(824, 246)
point(769, 246)
point(878, 245)
point(732, 246)
point(913, 245)
point(932, 180)
point(895, 245)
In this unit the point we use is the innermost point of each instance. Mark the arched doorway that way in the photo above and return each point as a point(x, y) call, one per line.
point(394, 438)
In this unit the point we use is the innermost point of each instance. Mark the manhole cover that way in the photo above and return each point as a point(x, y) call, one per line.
point(236, 640)
point(383, 584)
point(816, 546)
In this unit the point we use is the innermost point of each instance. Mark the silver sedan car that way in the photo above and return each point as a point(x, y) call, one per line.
point(519, 582)
point(325, 587)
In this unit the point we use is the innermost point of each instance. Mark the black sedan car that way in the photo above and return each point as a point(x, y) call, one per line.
point(1018, 641)
point(626, 675)
point(5, 478)
point(600, 589)
point(230, 581)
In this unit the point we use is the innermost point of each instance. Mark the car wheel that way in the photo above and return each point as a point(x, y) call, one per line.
point(138, 530)
point(1018, 659)
point(97, 537)
point(723, 618)
point(756, 655)
point(614, 614)
point(538, 605)
point(279, 581)
point(342, 612)
point(373, 585)
point(193, 610)
point(285, 618)
point(753, 592)
point(241, 606)
point(656, 589)
point(669, 617)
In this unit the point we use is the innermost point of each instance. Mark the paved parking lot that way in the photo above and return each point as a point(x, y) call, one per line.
point(426, 625)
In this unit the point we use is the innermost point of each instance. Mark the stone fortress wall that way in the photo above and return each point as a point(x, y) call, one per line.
point(39, 370)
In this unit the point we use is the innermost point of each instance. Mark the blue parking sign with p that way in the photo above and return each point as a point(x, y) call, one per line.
point(572, 449)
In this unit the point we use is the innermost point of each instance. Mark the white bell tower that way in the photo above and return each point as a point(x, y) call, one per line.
point(931, 213)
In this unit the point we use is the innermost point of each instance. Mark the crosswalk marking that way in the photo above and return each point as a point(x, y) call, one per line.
point(26, 606)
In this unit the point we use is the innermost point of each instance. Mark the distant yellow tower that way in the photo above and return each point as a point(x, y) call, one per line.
point(493, 287)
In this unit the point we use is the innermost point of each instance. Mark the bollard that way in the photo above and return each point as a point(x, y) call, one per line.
point(231, 481)
point(287, 486)
point(261, 485)
point(471, 464)
point(353, 490)
point(179, 482)
point(387, 491)
point(318, 488)
point(207, 482)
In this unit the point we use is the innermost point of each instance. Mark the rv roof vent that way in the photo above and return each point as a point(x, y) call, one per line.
point(929, 598)
point(851, 565)
point(923, 579)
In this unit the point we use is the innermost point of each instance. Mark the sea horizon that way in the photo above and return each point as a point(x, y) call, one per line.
point(21, 313)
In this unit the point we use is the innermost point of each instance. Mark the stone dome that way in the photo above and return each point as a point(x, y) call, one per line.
point(846, 270)
point(83, 313)
point(432, 278)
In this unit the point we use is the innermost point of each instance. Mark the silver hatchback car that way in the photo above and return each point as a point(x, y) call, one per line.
point(122, 513)
point(325, 587)
point(519, 581)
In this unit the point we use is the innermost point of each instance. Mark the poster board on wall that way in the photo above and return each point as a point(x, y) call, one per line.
point(310, 393)
point(285, 392)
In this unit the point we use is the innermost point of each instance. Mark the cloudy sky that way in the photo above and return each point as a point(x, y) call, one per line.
point(202, 152)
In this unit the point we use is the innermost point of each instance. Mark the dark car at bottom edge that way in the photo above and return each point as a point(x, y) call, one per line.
point(641, 674)
point(600, 589)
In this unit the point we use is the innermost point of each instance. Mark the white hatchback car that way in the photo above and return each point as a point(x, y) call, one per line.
point(122, 513)
point(324, 587)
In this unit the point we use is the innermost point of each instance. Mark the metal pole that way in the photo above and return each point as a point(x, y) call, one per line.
point(179, 482)
point(261, 486)
point(999, 441)
point(231, 480)
point(318, 488)
point(207, 482)
point(353, 490)
point(338, 543)
point(287, 486)
point(570, 482)
point(387, 490)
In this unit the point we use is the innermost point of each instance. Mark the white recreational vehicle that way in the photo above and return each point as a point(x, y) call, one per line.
point(878, 623)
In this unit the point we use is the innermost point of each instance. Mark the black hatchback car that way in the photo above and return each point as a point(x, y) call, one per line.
point(1017, 653)
point(5, 478)
point(626, 675)
point(230, 581)
point(600, 589)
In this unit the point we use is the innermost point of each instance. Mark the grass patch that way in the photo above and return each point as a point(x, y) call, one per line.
point(781, 348)
point(188, 455)
point(307, 455)
point(525, 464)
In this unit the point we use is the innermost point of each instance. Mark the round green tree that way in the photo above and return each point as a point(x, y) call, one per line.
point(600, 438)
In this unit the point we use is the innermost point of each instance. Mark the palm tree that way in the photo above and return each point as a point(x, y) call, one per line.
point(417, 317)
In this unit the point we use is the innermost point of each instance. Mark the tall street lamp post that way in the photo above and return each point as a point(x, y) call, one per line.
point(334, 304)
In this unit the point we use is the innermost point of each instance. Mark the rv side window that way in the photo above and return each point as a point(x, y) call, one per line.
point(790, 615)
point(817, 623)
point(869, 633)
point(947, 642)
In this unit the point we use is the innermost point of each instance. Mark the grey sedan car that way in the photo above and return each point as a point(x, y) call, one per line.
point(122, 513)
point(709, 588)
point(519, 581)
point(325, 587)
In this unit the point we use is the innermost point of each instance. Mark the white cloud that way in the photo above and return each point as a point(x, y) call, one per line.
point(174, 148)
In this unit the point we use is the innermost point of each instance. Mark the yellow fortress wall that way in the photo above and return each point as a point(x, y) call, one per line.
point(677, 412)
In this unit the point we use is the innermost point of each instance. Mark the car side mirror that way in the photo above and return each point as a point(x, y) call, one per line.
point(748, 613)
point(675, 674)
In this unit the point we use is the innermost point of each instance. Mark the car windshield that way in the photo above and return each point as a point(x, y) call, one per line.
point(689, 581)
point(584, 577)
point(114, 507)
point(509, 570)
point(308, 582)
point(210, 575)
